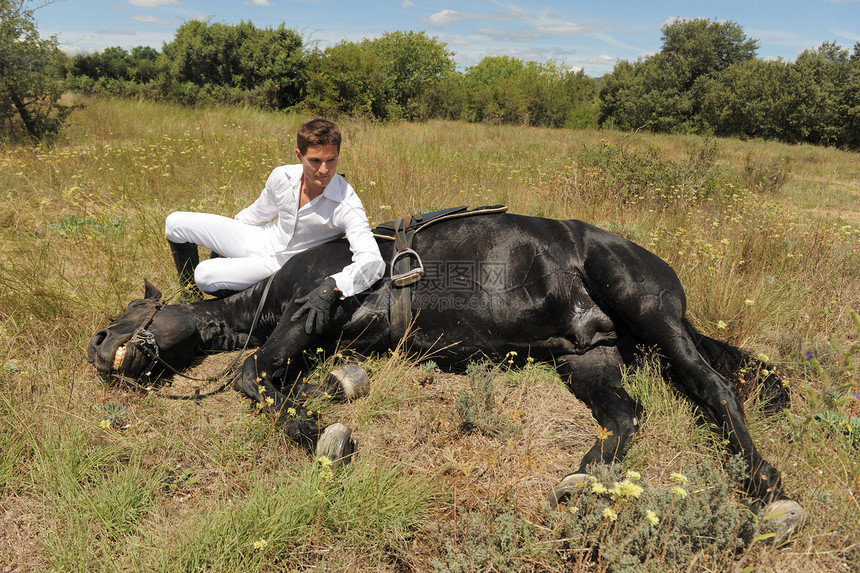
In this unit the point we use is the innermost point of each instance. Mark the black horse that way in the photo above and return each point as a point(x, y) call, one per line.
point(562, 292)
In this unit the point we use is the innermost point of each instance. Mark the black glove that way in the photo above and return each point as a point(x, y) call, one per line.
point(318, 305)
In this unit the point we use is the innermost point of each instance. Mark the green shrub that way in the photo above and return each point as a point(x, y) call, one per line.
point(621, 522)
point(499, 541)
point(476, 407)
point(765, 176)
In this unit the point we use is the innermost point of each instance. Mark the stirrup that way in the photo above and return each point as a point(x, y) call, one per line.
point(410, 276)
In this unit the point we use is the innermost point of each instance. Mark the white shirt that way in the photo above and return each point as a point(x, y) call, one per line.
point(336, 212)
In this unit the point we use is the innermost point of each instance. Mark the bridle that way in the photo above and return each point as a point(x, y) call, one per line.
point(144, 340)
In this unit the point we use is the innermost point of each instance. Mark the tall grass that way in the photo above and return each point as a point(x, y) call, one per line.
point(764, 237)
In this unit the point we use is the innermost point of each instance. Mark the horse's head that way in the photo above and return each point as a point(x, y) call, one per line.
point(146, 336)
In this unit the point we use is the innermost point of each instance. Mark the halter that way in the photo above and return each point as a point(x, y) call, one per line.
point(145, 341)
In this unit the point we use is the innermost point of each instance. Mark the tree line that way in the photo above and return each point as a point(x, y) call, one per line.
point(398, 76)
point(706, 79)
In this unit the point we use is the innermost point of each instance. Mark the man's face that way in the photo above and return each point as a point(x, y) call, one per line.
point(319, 163)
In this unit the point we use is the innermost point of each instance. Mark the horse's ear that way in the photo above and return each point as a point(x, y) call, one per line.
point(150, 291)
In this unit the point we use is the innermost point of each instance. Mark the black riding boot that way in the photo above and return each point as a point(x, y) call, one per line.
point(186, 258)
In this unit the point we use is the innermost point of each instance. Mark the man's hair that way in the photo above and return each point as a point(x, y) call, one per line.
point(317, 132)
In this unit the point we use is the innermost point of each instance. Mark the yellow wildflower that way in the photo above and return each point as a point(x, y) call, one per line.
point(628, 489)
point(603, 433)
point(679, 491)
point(598, 488)
point(651, 517)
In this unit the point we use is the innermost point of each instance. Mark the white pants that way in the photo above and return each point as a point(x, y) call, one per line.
point(247, 255)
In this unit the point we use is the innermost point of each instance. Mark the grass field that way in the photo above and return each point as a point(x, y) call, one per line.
point(454, 470)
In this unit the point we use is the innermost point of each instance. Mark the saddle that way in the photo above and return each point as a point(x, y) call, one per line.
point(405, 267)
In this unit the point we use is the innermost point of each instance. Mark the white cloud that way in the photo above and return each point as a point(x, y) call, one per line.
point(602, 59)
point(445, 17)
point(853, 36)
point(152, 3)
point(561, 29)
point(73, 51)
point(258, 3)
point(407, 4)
point(612, 41)
point(117, 33)
point(153, 20)
point(532, 33)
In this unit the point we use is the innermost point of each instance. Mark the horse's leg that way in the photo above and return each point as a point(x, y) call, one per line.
point(260, 376)
point(595, 379)
point(716, 397)
point(299, 423)
point(645, 298)
point(346, 382)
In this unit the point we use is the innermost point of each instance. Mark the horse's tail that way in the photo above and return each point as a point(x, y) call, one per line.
point(749, 374)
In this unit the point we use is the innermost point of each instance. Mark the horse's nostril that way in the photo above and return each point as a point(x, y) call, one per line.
point(98, 338)
point(95, 342)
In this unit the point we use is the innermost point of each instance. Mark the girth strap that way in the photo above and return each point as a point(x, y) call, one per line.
point(406, 267)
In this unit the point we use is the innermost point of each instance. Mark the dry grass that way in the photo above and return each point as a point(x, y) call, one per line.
point(177, 485)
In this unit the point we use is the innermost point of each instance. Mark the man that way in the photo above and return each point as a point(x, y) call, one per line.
point(300, 207)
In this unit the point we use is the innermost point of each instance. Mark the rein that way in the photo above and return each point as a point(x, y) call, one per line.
point(144, 340)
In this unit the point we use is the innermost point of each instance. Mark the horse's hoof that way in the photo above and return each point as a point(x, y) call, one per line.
point(565, 487)
point(352, 379)
point(788, 515)
point(336, 444)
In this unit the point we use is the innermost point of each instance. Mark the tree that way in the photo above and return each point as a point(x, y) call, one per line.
point(851, 101)
point(144, 64)
point(753, 99)
point(506, 90)
point(113, 63)
point(815, 99)
point(411, 62)
point(830, 77)
point(384, 78)
point(656, 91)
point(444, 99)
point(346, 79)
point(699, 47)
point(557, 96)
point(30, 88)
point(492, 94)
point(649, 93)
point(269, 64)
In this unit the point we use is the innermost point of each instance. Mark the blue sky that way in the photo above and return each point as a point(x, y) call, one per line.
point(584, 35)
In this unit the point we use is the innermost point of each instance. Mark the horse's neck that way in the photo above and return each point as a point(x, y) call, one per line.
point(225, 317)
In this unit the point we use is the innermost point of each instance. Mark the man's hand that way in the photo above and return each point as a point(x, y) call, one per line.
point(318, 305)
